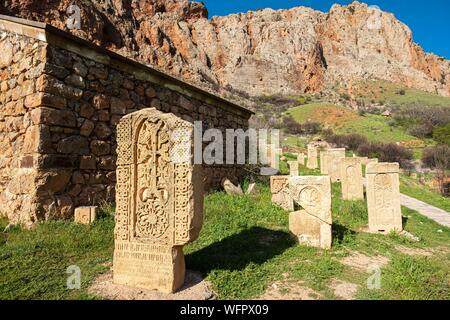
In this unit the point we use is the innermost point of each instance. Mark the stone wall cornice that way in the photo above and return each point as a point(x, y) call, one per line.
point(53, 36)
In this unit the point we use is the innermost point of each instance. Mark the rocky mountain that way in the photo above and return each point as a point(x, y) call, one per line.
point(259, 53)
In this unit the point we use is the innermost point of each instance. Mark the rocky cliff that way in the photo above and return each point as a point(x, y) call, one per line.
point(260, 53)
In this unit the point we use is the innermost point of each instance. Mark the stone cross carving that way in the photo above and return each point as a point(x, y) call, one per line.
point(352, 179)
point(383, 197)
point(329, 162)
point(312, 162)
point(280, 192)
point(312, 224)
point(159, 197)
point(293, 168)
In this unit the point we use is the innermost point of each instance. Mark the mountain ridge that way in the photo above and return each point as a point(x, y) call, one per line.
point(265, 52)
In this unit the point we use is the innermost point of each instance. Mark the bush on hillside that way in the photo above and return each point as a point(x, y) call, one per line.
point(387, 152)
point(293, 127)
point(438, 157)
point(442, 134)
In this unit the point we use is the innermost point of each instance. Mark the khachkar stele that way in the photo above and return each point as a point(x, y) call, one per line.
point(329, 162)
point(280, 192)
point(352, 179)
point(312, 224)
point(383, 197)
point(313, 152)
point(159, 200)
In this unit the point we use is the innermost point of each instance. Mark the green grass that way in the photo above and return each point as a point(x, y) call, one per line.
point(412, 188)
point(243, 248)
point(33, 264)
point(375, 128)
point(344, 121)
point(388, 93)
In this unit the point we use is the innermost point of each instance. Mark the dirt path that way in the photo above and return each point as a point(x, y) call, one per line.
point(440, 216)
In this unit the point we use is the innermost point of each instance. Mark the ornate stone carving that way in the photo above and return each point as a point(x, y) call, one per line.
point(159, 199)
point(352, 179)
point(311, 224)
point(383, 197)
point(312, 162)
point(280, 192)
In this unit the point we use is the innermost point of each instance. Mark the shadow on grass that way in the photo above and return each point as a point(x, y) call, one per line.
point(341, 233)
point(252, 246)
point(404, 221)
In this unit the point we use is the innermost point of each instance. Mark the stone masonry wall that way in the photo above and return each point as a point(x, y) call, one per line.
point(58, 116)
point(22, 60)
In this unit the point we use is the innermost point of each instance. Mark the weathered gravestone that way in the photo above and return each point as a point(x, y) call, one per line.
point(312, 162)
point(293, 168)
point(312, 224)
point(301, 158)
point(330, 163)
point(159, 198)
point(280, 192)
point(351, 179)
point(383, 197)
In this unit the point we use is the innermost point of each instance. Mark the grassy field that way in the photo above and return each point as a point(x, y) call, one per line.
point(243, 249)
point(344, 121)
point(392, 94)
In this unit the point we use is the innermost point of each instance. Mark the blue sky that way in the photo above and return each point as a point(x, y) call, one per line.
point(429, 20)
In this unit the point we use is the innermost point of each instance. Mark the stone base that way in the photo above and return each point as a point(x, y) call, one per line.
point(147, 266)
point(194, 288)
point(309, 230)
point(384, 230)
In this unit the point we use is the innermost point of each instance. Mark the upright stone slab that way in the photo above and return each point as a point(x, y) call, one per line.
point(301, 159)
point(159, 198)
point(312, 162)
point(312, 224)
point(280, 192)
point(332, 159)
point(383, 197)
point(293, 168)
point(351, 179)
point(324, 161)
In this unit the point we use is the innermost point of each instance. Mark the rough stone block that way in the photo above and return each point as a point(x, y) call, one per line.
point(280, 192)
point(85, 215)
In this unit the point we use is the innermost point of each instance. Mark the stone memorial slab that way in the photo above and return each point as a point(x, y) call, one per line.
point(351, 179)
point(311, 225)
point(159, 198)
point(383, 197)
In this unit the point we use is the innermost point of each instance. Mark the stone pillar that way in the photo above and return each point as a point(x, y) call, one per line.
point(159, 200)
point(280, 192)
point(352, 179)
point(293, 168)
point(383, 197)
point(312, 162)
point(329, 163)
point(312, 224)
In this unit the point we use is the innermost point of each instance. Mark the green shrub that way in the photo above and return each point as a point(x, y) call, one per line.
point(442, 134)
